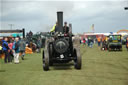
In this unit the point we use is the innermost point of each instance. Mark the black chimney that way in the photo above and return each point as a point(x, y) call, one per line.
point(60, 21)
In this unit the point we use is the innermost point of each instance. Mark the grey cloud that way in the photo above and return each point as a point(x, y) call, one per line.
point(41, 15)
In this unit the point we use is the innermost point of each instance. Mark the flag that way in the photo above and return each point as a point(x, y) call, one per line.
point(92, 27)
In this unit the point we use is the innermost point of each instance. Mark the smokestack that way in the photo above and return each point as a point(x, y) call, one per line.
point(126, 8)
point(23, 30)
point(60, 21)
point(70, 28)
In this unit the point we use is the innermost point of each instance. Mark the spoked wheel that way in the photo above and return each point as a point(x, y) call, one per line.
point(77, 61)
point(45, 58)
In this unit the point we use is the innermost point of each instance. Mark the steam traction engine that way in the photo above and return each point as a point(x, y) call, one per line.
point(60, 48)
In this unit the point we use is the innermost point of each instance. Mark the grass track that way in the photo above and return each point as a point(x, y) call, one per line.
point(98, 68)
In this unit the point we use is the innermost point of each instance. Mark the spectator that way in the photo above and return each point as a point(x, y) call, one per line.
point(5, 49)
point(38, 45)
point(16, 56)
point(10, 45)
point(1, 49)
point(22, 46)
point(89, 40)
point(84, 41)
point(99, 41)
point(127, 43)
point(13, 47)
point(104, 46)
point(91, 43)
point(80, 41)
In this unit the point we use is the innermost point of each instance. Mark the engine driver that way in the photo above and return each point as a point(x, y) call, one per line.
point(65, 28)
point(55, 28)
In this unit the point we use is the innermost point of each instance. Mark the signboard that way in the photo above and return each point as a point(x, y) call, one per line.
point(16, 34)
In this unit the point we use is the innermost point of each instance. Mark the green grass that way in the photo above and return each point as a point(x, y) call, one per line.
point(98, 68)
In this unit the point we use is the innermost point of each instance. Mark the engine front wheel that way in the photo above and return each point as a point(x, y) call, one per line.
point(50, 55)
point(45, 60)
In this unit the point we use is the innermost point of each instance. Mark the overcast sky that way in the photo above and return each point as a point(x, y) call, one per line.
point(38, 15)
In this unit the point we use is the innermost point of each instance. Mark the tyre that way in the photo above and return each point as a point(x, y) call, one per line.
point(120, 49)
point(50, 55)
point(45, 59)
point(77, 60)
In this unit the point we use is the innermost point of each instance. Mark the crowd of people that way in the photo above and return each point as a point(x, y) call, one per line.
point(12, 49)
point(101, 42)
point(89, 41)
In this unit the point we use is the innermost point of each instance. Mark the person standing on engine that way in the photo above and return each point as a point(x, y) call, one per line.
point(54, 28)
point(65, 28)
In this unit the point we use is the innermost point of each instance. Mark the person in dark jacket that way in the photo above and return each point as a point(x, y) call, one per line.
point(65, 28)
point(7, 58)
point(38, 45)
point(127, 43)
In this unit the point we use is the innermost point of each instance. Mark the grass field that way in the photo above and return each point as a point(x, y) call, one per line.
point(98, 68)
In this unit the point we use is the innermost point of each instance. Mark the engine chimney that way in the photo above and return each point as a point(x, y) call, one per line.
point(60, 21)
